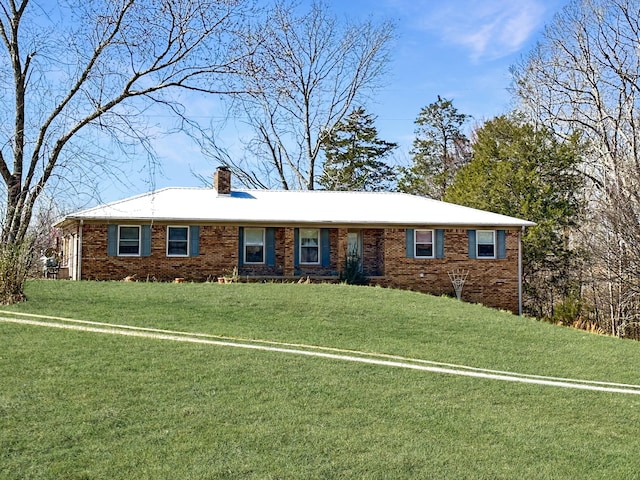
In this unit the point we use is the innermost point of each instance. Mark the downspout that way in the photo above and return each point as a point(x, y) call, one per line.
point(520, 233)
point(79, 252)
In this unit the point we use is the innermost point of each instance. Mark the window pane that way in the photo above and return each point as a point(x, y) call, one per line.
point(424, 236)
point(129, 242)
point(424, 243)
point(309, 245)
point(485, 250)
point(485, 240)
point(254, 254)
point(129, 233)
point(128, 249)
point(177, 248)
point(309, 255)
point(485, 237)
point(309, 237)
point(253, 236)
point(177, 243)
point(424, 250)
point(178, 233)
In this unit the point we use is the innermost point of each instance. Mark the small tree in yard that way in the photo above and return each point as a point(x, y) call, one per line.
point(16, 261)
point(351, 272)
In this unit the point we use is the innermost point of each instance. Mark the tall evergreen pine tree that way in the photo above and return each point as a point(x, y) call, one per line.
point(354, 156)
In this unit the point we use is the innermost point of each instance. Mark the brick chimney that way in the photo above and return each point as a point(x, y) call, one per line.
point(222, 180)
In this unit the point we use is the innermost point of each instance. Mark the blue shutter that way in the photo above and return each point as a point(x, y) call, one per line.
point(240, 246)
point(502, 243)
point(440, 243)
point(472, 243)
point(112, 240)
point(296, 247)
point(410, 245)
point(325, 244)
point(194, 240)
point(270, 246)
point(145, 238)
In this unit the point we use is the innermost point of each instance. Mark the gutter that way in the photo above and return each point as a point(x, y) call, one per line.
point(297, 222)
point(79, 252)
point(520, 233)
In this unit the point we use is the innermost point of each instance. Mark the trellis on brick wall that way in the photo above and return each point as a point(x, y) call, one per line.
point(458, 277)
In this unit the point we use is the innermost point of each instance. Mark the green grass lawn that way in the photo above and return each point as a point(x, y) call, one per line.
point(81, 405)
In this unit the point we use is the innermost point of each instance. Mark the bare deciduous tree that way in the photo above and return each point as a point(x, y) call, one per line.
point(76, 73)
point(584, 77)
point(308, 72)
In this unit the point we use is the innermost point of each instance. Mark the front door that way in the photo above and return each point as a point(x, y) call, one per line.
point(354, 247)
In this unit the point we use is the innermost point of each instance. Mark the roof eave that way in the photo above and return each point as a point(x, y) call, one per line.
point(68, 220)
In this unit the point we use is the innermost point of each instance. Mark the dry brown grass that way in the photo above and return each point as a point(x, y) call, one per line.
point(589, 326)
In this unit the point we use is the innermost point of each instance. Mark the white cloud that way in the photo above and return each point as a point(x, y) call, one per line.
point(488, 29)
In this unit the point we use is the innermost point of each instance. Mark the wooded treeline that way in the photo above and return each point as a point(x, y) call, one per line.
point(567, 158)
point(583, 79)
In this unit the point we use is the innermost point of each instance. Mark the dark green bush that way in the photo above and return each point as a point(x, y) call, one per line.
point(352, 273)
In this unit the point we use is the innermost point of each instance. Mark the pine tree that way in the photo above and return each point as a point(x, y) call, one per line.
point(439, 150)
point(354, 156)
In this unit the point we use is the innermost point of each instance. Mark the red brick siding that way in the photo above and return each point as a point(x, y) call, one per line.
point(218, 255)
point(373, 252)
point(493, 282)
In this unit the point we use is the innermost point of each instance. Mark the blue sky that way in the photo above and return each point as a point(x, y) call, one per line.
point(458, 49)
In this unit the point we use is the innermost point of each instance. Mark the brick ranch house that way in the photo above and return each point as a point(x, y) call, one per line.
point(401, 240)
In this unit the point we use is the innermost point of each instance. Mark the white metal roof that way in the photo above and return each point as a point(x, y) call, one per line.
point(204, 205)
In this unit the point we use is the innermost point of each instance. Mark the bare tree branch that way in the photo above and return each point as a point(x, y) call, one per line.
point(97, 69)
point(584, 76)
point(306, 75)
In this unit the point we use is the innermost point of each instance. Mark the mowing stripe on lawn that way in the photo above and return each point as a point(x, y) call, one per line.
point(322, 348)
point(321, 352)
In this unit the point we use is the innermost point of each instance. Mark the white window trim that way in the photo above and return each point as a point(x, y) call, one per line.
point(188, 241)
point(246, 244)
point(415, 243)
point(319, 247)
point(139, 241)
point(495, 245)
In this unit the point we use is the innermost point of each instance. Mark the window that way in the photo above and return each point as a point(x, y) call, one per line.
point(423, 244)
point(309, 245)
point(177, 241)
point(254, 245)
point(128, 240)
point(486, 244)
